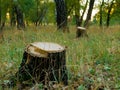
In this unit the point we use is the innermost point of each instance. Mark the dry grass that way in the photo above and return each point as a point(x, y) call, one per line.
point(92, 62)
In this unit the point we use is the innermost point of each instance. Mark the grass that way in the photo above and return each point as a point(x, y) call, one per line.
point(92, 62)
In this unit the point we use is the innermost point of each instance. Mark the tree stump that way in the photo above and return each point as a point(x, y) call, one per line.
point(81, 31)
point(43, 62)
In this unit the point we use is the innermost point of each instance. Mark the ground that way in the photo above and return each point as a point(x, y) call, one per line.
point(92, 63)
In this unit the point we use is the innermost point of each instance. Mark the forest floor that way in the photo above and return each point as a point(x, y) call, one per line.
point(93, 63)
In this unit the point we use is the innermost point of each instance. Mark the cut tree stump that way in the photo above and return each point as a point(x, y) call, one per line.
point(81, 31)
point(43, 62)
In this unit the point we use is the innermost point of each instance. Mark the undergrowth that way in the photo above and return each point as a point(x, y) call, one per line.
point(93, 63)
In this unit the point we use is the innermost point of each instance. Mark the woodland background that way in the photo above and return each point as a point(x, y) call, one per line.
point(92, 61)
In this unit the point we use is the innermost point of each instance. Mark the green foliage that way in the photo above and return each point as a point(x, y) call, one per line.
point(4, 8)
point(50, 15)
point(115, 14)
point(26, 5)
point(41, 11)
point(81, 87)
point(40, 86)
point(32, 9)
point(73, 6)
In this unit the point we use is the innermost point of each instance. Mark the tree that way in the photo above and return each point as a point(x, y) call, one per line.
point(42, 13)
point(81, 18)
point(19, 17)
point(37, 12)
point(108, 14)
point(91, 4)
point(101, 11)
point(0, 15)
point(70, 6)
point(61, 15)
point(115, 13)
point(12, 15)
point(4, 8)
point(77, 12)
point(78, 7)
point(23, 10)
point(20, 11)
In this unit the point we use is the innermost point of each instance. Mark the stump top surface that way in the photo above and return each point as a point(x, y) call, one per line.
point(49, 47)
point(43, 48)
point(82, 28)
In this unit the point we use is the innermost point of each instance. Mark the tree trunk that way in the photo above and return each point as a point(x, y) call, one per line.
point(61, 14)
point(89, 13)
point(2, 26)
point(80, 30)
point(1, 31)
point(0, 12)
point(77, 13)
point(43, 63)
point(2, 23)
point(101, 10)
point(0, 16)
point(19, 17)
point(77, 17)
point(81, 18)
point(108, 14)
point(37, 13)
point(12, 17)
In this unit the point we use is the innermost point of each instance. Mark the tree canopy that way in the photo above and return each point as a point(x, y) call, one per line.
point(38, 11)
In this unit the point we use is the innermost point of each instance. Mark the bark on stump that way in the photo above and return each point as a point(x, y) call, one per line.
point(43, 62)
point(81, 31)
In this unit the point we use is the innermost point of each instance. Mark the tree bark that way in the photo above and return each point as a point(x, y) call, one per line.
point(101, 10)
point(89, 13)
point(19, 17)
point(108, 14)
point(81, 18)
point(77, 13)
point(43, 62)
point(37, 13)
point(0, 12)
point(61, 15)
point(2, 23)
point(0, 17)
point(2, 26)
point(12, 16)
point(77, 17)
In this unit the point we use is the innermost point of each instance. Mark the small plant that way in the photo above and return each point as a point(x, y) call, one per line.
point(81, 87)
point(41, 86)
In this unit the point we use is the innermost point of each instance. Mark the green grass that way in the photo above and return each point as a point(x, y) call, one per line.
point(91, 61)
